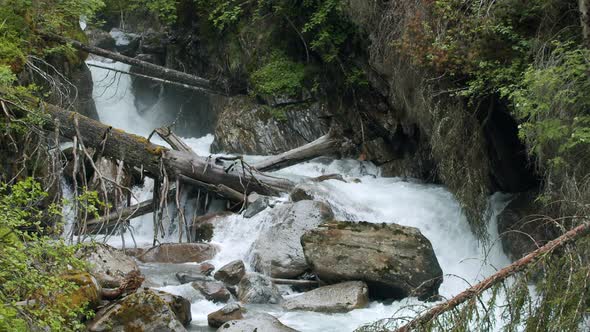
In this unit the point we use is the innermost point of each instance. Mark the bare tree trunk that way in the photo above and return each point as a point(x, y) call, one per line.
point(323, 146)
point(499, 276)
point(155, 70)
point(153, 159)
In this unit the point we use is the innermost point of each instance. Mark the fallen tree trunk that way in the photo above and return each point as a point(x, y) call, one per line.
point(107, 222)
point(295, 282)
point(219, 189)
point(151, 78)
point(155, 70)
point(323, 146)
point(156, 159)
point(499, 276)
point(175, 142)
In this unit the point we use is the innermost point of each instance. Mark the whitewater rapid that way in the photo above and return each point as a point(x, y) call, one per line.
point(373, 198)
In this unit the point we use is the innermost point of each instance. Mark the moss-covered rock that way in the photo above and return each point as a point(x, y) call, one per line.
point(143, 311)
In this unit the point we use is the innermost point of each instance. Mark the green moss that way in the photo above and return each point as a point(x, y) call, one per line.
point(279, 76)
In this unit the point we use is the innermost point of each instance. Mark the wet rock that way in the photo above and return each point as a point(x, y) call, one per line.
point(146, 311)
point(179, 253)
point(259, 323)
point(231, 273)
point(519, 228)
point(278, 251)
point(228, 313)
point(301, 192)
point(185, 278)
point(249, 128)
point(125, 43)
point(101, 39)
point(203, 226)
point(107, 264)
point(257, 288)
point(341, 297)
point(395, 261)
point(212, 290)
point(256, 204)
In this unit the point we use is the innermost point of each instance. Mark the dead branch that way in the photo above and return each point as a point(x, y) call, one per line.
point(499, 276)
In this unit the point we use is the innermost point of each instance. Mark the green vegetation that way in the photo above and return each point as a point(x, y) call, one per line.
point(279, 76)
point(32, 264)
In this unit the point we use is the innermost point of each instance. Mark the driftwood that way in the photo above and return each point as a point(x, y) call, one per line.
point(323, 146)
point(107, 222)
point(153, 159)
point(499, 276)
point(220, 189)
point(155, 70)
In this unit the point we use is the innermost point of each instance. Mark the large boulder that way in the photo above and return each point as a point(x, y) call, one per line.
point(231, 273)
point(212, 290)
point(341, 297)
point(246, 127)
point(144, 311)
point(179, 253)
point(258, 323)
point(395, 261)
point(232, 311)
point(277, 251)
point(257, 288)
point(107, 264)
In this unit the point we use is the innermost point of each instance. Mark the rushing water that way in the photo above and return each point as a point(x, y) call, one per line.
point(430, 208)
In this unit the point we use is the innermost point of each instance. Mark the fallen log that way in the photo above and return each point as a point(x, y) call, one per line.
point(137, 151)
point(499, 276)
point(108, 222)
point(323, 146)
point(175, 142)
point(219, 189)
point(295, 282)
point(155, 70)
point(151, 78)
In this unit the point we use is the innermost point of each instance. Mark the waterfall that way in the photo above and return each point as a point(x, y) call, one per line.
point(430, 208)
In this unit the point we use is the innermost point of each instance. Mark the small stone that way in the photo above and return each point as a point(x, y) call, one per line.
point(231, 273)
point(228, 313)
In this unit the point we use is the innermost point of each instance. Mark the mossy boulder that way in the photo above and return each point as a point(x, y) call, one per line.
point(144, 311)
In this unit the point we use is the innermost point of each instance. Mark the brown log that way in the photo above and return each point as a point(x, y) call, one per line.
point(152, 158)
point(221, 190)
point(323, 146)
point(155, 70)
point(499, 276)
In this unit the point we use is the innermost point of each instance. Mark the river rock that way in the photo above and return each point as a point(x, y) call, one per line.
point(203, 226)
point(341, 297)
point(101, 39)
point(232, 311)
point(107, 264)
point(257, 288)
point(395, 261)
point(231, 273)
point(146, 311)
point(212, 290)
point(179, 253)
point(88, 291)
point(258, 323)
point(278, 251)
